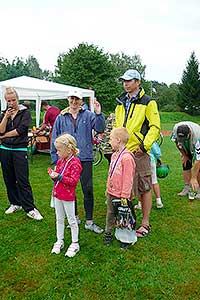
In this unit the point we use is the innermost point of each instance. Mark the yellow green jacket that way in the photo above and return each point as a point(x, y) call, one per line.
point(142, 122)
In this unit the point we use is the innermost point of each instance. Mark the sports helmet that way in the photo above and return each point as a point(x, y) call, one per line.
point(162, 171)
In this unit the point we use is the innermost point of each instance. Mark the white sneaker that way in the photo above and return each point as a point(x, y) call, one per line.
point(93, 227)
point(57, 247)
point(13, 208)
point(159, 204)
point(197, 196)
point(72, 250)
point(185, 191)
point(138, 206)
point(35, 214)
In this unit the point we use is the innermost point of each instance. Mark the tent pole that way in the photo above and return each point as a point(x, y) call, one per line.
point(38, 107)
point(3, 101)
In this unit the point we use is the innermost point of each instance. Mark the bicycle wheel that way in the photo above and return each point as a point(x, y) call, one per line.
point(98, 156)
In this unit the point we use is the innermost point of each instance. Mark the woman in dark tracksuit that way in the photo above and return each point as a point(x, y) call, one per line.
point(14, 123)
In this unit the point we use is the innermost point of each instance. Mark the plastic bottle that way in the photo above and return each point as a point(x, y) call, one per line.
point(191, 195)
point(34, 131)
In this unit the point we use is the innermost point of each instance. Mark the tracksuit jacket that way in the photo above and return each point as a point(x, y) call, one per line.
point(81, 130)
point(142, 120)
point(65, 186)
point(21, 123)
point(120, 176)
point(155, 153)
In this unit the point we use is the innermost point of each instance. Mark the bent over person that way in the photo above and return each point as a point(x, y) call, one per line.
point(14, 123)
point(186, 134)
point(139, 114)
point(51, 113)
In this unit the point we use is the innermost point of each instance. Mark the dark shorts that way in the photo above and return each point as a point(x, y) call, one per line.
point(142, 180)
point(188, 165)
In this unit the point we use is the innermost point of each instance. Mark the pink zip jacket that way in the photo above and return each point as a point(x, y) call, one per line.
point(121, 174)
point(65, 187)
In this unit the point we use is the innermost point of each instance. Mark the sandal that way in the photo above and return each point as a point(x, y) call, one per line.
point(143, 230)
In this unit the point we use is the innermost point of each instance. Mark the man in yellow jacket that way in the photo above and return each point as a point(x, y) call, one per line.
point(139, 114)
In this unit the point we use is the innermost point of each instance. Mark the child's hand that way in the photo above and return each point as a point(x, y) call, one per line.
point(52, 173)
point(159, 162)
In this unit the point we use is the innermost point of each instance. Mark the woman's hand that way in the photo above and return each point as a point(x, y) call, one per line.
point(97, 107)
point(9, 112)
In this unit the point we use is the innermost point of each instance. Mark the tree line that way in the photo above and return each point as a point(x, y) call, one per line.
point(88, 66)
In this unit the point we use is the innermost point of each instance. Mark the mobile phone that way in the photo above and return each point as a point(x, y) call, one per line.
point(51, 172)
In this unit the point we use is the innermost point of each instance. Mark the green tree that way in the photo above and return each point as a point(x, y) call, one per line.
point(123, 62)
point(22, 67)
point(189, 89)
point(17, 68)
point(4, 69)
point(88, 66)
point(33, 67)
point(166, 96)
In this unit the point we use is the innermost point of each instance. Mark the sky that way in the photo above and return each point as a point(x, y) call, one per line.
point(162, 32)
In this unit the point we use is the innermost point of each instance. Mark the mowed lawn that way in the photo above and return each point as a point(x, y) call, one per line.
point(164, 265)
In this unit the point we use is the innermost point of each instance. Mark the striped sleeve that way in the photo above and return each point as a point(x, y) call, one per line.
point(197, 151)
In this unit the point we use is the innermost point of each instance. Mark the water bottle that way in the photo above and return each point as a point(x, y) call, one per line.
point(191, 195)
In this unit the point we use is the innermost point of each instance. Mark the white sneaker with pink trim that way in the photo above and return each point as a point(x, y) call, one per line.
point(13, 208)
point(35, 214)
point(72, 250)
point(57, 247)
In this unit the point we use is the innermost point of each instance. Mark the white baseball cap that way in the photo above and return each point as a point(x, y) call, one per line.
point(131, 74)
point(75, 93)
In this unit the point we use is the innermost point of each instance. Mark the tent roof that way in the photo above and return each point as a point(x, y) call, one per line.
point(33, 88)
point(29, 88)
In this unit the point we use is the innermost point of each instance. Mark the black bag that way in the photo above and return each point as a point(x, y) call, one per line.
point(124, 214)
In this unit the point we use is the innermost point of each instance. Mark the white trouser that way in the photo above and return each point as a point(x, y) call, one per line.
point(153, 174)
point(66, 208)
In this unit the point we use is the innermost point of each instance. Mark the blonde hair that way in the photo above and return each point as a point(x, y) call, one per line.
point(68, 142)
point(9, 90)
point(121, 133)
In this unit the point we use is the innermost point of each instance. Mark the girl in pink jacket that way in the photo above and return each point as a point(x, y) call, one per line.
point(120, 176)
point(66, 176)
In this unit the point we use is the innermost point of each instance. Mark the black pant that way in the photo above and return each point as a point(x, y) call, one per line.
point(108, 157)
point(15, 173)
point(87, 188)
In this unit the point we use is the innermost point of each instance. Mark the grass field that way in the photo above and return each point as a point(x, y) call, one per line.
point(164, 265)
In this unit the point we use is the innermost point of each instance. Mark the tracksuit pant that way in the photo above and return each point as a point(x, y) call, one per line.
point(16, 177)
point(65, 208)
point(87, 188)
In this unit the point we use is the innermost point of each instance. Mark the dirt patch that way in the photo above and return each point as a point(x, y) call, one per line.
point(166, 132)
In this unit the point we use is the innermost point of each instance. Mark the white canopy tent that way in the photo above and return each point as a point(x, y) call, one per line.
point(29, 88)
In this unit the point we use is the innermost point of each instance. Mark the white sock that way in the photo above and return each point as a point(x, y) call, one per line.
point(158, 200)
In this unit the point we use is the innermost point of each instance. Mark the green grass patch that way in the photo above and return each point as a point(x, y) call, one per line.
point(168, 119)
point(164, 265)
